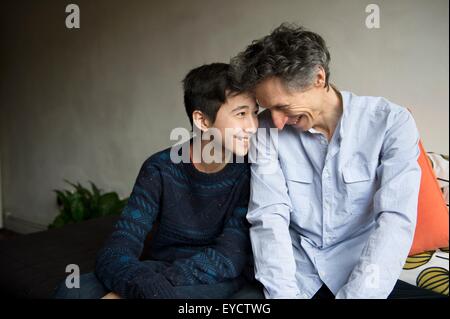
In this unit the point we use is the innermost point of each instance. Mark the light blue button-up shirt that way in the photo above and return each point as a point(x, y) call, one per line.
point(341, 213)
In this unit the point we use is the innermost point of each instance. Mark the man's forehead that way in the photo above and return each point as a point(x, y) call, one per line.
point(271, 92)
point(270, 84)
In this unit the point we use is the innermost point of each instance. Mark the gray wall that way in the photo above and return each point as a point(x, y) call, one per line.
point(93, 103)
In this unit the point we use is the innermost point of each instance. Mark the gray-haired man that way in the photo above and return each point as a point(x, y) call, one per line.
point(337, 215)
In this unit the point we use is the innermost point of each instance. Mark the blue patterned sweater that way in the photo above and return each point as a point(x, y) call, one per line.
point(202, 237)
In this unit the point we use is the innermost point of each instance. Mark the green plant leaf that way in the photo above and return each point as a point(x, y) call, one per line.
point(95, 201)
point(77, 208)
point(95, 189)
point(108, 204)
point(82, 203)
point(84, 192)
point(71, 184)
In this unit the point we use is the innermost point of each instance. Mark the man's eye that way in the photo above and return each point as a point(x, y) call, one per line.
point(241, 114)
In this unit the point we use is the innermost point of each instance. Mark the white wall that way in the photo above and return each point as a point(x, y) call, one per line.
point(92, 104)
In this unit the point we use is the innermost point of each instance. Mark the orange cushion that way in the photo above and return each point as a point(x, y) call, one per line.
point(432, 213)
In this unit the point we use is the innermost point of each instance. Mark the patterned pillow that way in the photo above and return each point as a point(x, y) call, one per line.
point(429, 270)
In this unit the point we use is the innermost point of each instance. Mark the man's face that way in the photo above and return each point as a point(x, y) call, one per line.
point(237, 120)
point(287, 107)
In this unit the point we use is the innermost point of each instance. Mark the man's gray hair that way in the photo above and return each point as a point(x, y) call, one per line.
point(290, 53)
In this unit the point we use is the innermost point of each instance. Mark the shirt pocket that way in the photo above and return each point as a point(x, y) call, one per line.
point(359, 185)
point(299, 182)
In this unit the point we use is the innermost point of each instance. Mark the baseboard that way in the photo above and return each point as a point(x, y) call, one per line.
point(22, 226)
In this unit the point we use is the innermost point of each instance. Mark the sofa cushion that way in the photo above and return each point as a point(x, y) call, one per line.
point(31, 266)
point(432, 214)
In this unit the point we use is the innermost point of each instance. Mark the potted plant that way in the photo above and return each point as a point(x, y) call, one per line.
point(83, 204)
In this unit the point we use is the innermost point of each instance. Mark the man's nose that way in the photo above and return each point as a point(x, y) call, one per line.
point(279, 119)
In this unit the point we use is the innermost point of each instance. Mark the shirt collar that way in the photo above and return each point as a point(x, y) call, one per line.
point(346, 100)
point(346, 104)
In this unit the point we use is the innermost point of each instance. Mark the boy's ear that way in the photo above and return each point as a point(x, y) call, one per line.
point(201, 121)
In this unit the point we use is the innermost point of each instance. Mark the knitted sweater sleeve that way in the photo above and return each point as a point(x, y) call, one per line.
point(117, 264)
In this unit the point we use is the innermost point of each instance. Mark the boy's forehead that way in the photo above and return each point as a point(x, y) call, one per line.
point(239, 100)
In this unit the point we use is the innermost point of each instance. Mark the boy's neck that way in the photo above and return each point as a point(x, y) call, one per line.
point(208, 168)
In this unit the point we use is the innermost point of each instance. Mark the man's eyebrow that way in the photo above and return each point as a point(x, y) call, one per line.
point(280, 106)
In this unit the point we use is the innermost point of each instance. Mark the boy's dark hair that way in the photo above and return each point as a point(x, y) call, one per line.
point(290, 53)
point(206, 88)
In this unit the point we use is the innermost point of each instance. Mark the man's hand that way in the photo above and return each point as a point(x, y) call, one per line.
point(111, 295)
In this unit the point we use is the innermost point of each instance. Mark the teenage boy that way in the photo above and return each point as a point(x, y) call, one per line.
point(201, 247)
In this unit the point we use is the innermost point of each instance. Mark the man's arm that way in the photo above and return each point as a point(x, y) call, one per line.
point(225, 258)
point(117, 265)
point(395, 208)
point(269, 216)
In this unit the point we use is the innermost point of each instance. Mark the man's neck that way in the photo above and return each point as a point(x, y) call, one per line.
point(332, 110)
point(208, 168)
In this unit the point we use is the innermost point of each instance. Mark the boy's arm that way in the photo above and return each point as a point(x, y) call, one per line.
point(223, 260)
point(117, 265)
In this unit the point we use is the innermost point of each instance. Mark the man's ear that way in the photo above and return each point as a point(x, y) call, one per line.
point(320, 77)
point(201, 120)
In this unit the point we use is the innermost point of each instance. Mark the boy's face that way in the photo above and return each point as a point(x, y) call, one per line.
point(237, 121)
